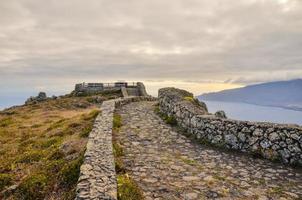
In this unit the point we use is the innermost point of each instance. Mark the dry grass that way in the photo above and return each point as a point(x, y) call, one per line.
point(42, 146)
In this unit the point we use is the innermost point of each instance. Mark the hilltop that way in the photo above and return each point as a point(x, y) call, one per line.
point(286, 94)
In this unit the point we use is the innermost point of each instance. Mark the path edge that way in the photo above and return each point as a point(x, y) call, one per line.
point(97, 178)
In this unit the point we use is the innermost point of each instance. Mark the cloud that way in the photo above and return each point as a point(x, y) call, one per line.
point(67, 41)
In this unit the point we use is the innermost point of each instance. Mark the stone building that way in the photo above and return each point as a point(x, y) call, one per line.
point(127, 89)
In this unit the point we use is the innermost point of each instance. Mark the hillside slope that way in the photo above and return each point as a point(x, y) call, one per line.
point(42, 146)
point(287, 94)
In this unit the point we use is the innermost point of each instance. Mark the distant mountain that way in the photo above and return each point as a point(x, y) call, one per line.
point(286, 94)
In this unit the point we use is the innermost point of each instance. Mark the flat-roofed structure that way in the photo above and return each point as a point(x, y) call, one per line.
point(127, 88)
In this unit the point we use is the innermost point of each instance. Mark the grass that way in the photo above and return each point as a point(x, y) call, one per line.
point(42, 147)
point(189, 99)
point(276, 191)
point(128, 189)
point(117, 121)
point(118, 152)
point(5, 180)
point(196, 102)
point(219, 177)
point(6, 122)
point(33, 187)
point(69, 173)
point(188, 161)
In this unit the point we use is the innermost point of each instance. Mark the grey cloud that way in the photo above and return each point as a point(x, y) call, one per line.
point(193, 40)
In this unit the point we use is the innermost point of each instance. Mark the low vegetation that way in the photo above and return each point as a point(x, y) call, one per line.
point(196, 102)
point(128, 189)
point(167, 119)
point(117, 122)
point(42, 147)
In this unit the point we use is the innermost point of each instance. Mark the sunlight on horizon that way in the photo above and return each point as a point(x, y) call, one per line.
point(194, 87)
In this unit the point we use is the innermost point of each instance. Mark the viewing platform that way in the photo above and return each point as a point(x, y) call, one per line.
point(127, 88)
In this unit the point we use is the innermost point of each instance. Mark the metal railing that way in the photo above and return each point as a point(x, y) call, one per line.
point(109, 85)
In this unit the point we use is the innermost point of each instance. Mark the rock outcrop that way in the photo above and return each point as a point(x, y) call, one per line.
point(41, 97)
point(220, 114)
point(183, 97)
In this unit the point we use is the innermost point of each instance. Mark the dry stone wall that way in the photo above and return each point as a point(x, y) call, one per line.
point(272, 141)
point(97, 175)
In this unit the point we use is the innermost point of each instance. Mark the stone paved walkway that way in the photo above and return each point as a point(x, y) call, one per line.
point(167, 165)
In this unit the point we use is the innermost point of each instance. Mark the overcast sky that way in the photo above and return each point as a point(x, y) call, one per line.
point(202, 45)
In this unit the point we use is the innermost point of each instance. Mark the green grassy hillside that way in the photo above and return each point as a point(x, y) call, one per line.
point(42, 147)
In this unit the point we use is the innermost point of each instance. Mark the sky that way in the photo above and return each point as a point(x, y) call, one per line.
point(198, 45)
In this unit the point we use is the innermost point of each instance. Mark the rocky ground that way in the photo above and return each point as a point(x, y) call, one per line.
point(167, 165)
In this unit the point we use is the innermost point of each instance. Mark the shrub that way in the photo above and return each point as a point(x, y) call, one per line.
point(128, 189)
point(74, 125)
point(30, 156)
point(70, 172)
point(33, 187)
point(49, 142)
point(6, 122)
point(56, 124)
point(56, 154)
point(171, 120)
point(54, 166)
point(168, 119)
point(92, 115)
point(85, 132)
point(6, 165)
point(5, 180)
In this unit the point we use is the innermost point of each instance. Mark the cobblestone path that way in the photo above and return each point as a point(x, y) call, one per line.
point(167, 165)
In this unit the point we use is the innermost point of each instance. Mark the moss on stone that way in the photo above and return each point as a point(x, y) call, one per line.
point(196, 102)
point(167, 119)
point(171, 120)
point(157, 109)
point(189, 99)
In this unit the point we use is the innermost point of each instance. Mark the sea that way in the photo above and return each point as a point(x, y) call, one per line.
point(256, 113)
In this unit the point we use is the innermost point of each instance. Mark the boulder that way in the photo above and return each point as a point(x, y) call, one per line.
point(220, 114)
point(41, 97)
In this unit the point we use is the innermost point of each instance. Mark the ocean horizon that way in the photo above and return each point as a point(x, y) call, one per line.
point(256, 113)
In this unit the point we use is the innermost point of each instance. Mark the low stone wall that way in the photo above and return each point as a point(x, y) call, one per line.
point(272, 141)
point(97, 176)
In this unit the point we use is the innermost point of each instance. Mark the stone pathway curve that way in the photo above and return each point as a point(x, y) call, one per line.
point(167, 165)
